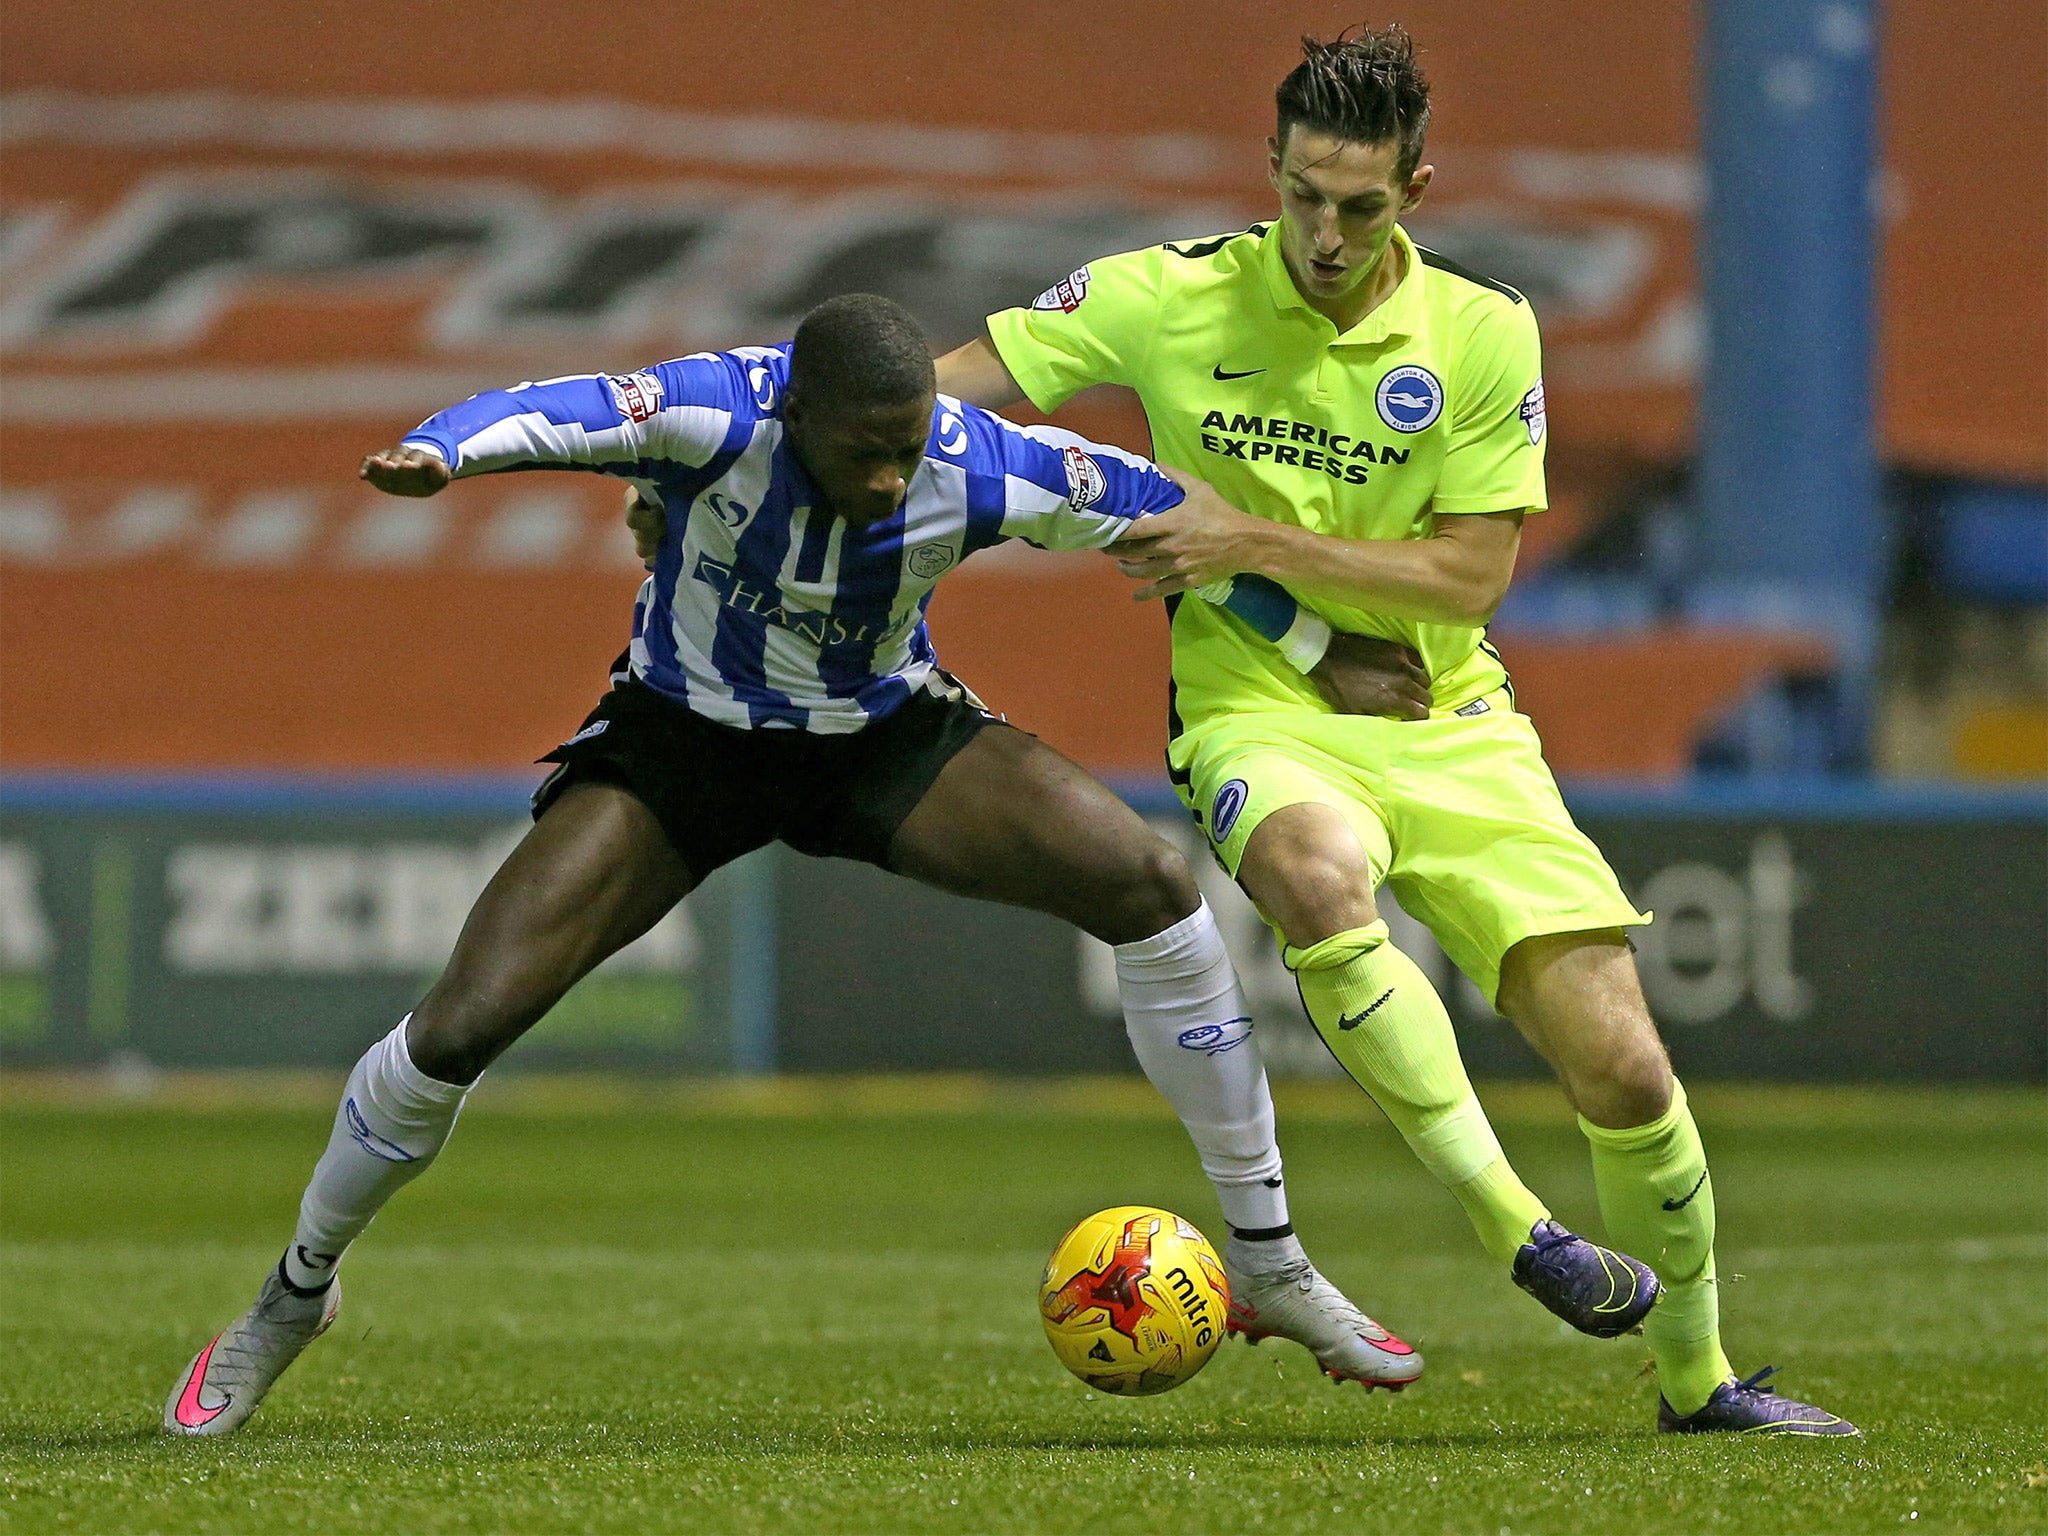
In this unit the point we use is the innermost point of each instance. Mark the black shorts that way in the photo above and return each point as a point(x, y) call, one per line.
point(719, 791)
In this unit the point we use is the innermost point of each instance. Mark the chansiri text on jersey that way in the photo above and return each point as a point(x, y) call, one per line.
point(769, 603)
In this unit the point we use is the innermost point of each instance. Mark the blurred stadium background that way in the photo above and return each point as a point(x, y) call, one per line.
point(263, 734)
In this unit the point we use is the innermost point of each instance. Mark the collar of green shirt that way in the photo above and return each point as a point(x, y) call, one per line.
point(1396, 316)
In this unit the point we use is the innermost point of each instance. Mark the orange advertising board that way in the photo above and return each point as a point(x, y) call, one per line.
point(241, 249)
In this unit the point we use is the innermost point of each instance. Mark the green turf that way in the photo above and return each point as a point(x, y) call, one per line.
point(667, 1318)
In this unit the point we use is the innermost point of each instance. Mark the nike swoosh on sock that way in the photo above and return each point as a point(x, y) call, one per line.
point(1679, 1205)
point(1353, 1020)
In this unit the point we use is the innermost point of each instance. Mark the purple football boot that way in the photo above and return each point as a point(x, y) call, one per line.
point(1746, 1408)
point(1595, 1289)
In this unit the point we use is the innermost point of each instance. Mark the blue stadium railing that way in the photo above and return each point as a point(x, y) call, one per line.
point(1805, 798)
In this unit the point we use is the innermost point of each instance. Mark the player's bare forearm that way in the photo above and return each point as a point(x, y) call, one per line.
point(405, 472)
point(977, 374)
point(1457, 576)
point(1365, 675)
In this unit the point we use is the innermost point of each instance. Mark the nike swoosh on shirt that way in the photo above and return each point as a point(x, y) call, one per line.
point(1679, 1205)
point(191, 1411)
point(1221, 377)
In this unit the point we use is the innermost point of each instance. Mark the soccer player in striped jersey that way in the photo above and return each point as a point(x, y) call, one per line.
point(781, 686)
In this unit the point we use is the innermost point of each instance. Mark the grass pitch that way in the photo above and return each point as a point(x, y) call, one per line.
point(810, 1308)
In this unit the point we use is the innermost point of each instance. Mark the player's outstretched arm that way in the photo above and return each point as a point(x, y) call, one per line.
point(1457, 576)
point(677, 411)
point(1069, 493)
point(405, 471)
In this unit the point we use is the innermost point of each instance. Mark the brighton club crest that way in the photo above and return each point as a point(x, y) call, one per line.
point(1410, 399)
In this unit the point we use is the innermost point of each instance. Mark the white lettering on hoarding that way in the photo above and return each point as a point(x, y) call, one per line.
point(344, 909)
point(24, 930)
point(1719, 938)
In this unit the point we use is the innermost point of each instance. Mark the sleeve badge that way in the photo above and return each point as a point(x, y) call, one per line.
point(637, 395)
point(1085, 480)
point(1066, 294)
point(1531, 412)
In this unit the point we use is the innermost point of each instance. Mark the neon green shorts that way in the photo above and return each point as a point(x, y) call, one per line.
point(1458, 813)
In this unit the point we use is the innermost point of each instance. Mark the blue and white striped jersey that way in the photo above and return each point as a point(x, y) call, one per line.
point(765, 610)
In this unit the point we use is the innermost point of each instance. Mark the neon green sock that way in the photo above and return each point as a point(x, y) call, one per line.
point(1387, 1027)
point(1658, 1203)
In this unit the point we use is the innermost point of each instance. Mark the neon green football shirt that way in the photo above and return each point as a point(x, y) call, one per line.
point(1433, 403)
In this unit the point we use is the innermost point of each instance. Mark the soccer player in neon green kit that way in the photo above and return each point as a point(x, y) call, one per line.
point(1376, 412)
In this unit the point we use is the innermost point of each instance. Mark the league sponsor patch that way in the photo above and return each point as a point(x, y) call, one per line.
point(1229, 804)
point(1531, 412)
point(595, 728)
point(1410, 399)
point(1066, 294)
point(1085, 480)
point(927, 560)
point(637, 395)
point(1476, 707)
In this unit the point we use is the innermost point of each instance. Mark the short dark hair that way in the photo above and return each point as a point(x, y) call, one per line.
point(1364, 90)
point(860, 350)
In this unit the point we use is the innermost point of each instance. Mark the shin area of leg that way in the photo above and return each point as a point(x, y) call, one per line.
point(1385, 1024)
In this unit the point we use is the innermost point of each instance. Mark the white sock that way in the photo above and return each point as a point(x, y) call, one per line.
point(392, 1120)
point(1189, 1025)
point(1263, 1256)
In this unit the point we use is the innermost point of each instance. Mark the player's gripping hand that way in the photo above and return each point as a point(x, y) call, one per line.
point(648, 523)
point(1201, 541)
point(405, 472)
point(1365, 675)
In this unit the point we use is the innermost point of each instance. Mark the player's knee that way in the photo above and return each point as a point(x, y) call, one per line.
point(1309, 876)
point(1321, 895)
point(463, 1024)
point(1630, 1084)
point(1643, 1079)
point(1148, 890)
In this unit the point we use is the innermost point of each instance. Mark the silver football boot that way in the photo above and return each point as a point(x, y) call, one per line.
point(1297, 1303)
point(226, 1380)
